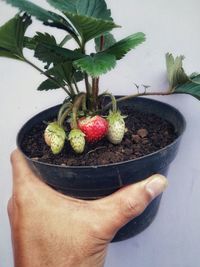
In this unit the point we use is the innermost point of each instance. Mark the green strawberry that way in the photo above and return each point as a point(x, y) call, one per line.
point(55, 136)
point(116, 127)
point(77, 140)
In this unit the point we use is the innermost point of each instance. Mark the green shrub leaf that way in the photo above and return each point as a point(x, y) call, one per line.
point(121, 48)
point(54, 54)
point(48, 85)
point(175, 72)
point(191, 87)
point(108, 41)
point(12, 36)
point(89, 27)
point(64, 5)
point(47, 17)
point(62, 72)
point(97, 64)
point(95, 8)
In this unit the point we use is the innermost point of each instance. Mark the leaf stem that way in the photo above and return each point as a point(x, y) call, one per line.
point(87, 85)
point(64, 116)
point(95, 91)
point(66, 39)
point(138, 94)
point(76, 106)
point(64, 106)
point(47, 75)
point(76, 86)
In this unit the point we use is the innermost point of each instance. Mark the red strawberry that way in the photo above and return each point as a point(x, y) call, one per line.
point(94, 128)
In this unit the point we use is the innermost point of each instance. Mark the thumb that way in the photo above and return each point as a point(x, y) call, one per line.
point(129, 202)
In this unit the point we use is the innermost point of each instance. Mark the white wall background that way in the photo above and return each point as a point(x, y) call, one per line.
point(173, 239)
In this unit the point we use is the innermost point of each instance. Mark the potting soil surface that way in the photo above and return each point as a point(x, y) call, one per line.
point(146, 133)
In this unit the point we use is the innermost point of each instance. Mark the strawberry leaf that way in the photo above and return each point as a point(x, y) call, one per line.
point(191, 87)
point(12, 36)
point(95, 8)
point(48, 85)
point(31, 43)
point(54, 54)
point(96, 64)
point(64, 5)
point(89, 27)
point(121, 48)
point(175, 72)
point(108, 41)
point(47, 17)
point(62, 72)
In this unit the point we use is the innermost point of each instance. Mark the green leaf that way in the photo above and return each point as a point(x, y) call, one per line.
point(196, 78)
point(62, 72)
point(54, 54)
point(97, 64)
point(65, 40)
point(31, 43)
point(78, 76)
point(7, 53)
point(47, 17)
point(175, 72)
point(12, 36)
point(94, 8)
point(89, 27)
point(194, 75)
point(190, 88)
point(47, 85)
point(108, 41)
point(64, 5)
point(121, 48)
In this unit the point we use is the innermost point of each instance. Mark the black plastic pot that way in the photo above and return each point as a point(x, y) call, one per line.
point(98, 181)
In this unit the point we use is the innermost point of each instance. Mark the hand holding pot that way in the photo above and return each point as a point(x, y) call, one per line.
point(50, 229)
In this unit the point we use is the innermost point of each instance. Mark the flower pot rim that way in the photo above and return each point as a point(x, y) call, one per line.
point(111, 164)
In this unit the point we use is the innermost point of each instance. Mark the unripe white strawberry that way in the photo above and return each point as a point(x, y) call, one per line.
point(49, 131)
point(55, 136)
point(116, 128)
point(77, 140)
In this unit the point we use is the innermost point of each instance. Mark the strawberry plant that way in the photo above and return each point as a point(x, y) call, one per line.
point(83, 21)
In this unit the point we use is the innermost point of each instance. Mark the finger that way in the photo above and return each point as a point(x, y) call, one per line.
point(10, 209)
point(21, 171)
point(129, 202)
point(24, 178)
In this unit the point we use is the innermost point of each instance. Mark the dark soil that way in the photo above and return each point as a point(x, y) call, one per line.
point(146, 133)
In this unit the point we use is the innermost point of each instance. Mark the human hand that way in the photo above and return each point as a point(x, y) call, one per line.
point(53, 230)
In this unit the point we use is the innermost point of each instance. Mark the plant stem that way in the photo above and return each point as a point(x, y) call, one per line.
point(114, 101)
point(76, 106)
point(64, 116)
point(66, 39)
point(47, 75)
point(65, 106)
point(135, 95)
point(95, 91)
point(87, 85)
point(76, 86)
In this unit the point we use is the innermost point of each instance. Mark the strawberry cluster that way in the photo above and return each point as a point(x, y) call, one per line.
point(91, 129)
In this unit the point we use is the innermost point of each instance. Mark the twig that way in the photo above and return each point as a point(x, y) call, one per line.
point(94, 150)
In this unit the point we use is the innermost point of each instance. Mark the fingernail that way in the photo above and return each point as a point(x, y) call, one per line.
point(156, 186)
